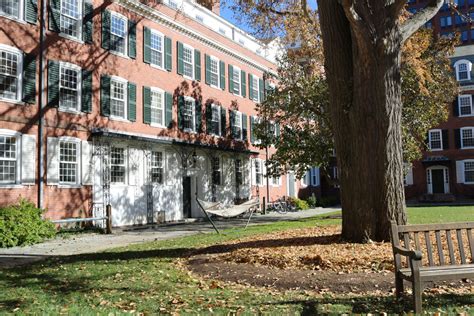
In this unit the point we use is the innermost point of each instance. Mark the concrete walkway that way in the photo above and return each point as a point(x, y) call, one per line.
point(94, 242)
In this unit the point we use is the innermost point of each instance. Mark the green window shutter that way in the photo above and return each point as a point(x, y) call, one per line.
point(132, 39)
point(105, 95)
point(53, 83)
point(243, 85)
point(198, 112)
point(222, 74)
point(168, 54)
point(251, 92)
point(252, 129)
point(87, 27)
point(197, 65)
point(244, 127)
point(231, 79)
point(86, 91)
point(146, 105)
point(207, 64)
point(169, 109)
point(232, 124)
point(223, 122)
point(105, 29)
point(29, 78)
point(132, 102)
point(146, 45)
point(261, 89)
point(180, 58)
point(54, 15)
point(31, 11)
point(209, 127)
point(180, 112)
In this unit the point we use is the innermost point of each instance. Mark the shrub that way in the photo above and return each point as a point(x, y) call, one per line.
point(300, 204)
point(22, 224)
point(312, 201)
point(327, 201)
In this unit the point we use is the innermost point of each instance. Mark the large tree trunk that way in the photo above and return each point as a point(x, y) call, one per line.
point(363, 72)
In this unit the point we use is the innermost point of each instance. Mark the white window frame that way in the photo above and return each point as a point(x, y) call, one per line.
point(464, 170)
point(257, 120)
point(315, 177)
point(468, 66)
point(125, 94)
point(260, 165)
point(163, 107)
point(440, 132)
point(120, 16)
point(218, 170)
point(239, 114)
point(306, 179)
point(465, 96)
point(219, 109)
point(186, 46)
point(77, 142)
point(125, 164)
point(445, 178)
point(238, 84)
point(17, 136)
point(21, 13)
point(217, 61)
point(163, 166)
point(19, 93)
point(193, 128)
point(79, 87)
point(462, 140)
point(275, 181)
point(79, 21)
point(156, 33)
point(239, 169)
point(256, 92)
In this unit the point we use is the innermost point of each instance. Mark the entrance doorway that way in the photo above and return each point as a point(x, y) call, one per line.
point(187, 198)
point(438, 180)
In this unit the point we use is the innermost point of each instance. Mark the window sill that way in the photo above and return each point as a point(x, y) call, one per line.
point(119, 119)
point(13, 18)
point(471, 147)
point(70, 111)
point(12, 186)
point(72, 38)
point(158, 67)
point(190, 131)
point(15, 102)
point(119, 54)
point(189, 78)
point(466, 115)
point(69, 186)
point(157, 125)
point(436, 149)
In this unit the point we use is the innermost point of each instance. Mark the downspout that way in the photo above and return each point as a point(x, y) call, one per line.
point(266, 143)
point(40, 107)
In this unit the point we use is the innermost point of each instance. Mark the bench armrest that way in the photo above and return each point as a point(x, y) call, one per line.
point(412, 254)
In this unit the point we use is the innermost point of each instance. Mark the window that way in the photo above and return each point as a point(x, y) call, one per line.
point(236, 79)
point(156, 49)
point(173, 4)
point(216, 171)
point(237, 125)
point(188, 61)
point(70, 20)
point(118, 33)
point(256, 89)
point(68, 162)
point(215, 119)
point(467, 137)
point(156, 167)
point(239, 172)
point(469, 171)
point(222, 31)
point(463, 70)
point(305, 181)
point(11, 8)
point(214, 72)
point(117, 165)
point(69, 87)
point(435, 140)
point(8, 159)
point(465, 105)
point(189, 114)
point(275, 181)
point(118, 97)
point(157, 107)
point(200, 18)
point(258, 172)
point(314, 175)
point(10, 74)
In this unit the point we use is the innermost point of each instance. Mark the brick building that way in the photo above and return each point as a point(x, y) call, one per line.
point(138, 104)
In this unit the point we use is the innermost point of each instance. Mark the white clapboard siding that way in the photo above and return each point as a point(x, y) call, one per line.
point(28, 159)
point(86, 153)
point(52, 162)
point(460, 171)
point(171, 168)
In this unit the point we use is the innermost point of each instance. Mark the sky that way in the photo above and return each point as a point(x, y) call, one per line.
point(227, 14)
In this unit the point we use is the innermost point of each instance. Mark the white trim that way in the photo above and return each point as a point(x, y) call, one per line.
point(163, 105)
point(126, 153)
point(469, 69)
point(464, 171)
point(256, 93)
point(79, 87)
point(193, 62)
point(21, 13)
point(440, 139)
point(460, 136)
point(234, 69)
point(19, 92)
point(158, 33)
point(77, 141)
point(219, 111)
point(217, 60)
point(238, 113)
point(120, 16)
point(193, 129)
point(18, 144)
point(429, 179)
point(79, 22)
point(125, 93)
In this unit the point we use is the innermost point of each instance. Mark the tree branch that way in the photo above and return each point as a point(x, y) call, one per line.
point(411, 25)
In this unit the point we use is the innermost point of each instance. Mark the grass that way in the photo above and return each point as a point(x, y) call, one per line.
point(144, 279)
point(440, 214)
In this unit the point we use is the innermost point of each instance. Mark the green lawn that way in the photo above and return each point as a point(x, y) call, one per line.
point(143, 278)
point(440, 214)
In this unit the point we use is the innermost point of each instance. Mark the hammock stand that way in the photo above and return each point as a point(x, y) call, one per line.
point(229, 212)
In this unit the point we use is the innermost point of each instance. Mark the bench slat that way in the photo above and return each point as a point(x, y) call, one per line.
point(461, 246)
point(471, 243)
point(406, 239)
point(416, 235)
point(439, 245)
point(428, 248)
point(433, 227)
point(450, 247)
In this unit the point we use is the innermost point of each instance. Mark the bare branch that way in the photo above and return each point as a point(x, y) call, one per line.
point(411, 25)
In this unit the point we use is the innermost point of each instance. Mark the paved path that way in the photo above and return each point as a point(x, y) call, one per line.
point(90, 243)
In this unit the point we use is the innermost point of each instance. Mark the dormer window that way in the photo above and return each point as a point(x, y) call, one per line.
point(463, 70)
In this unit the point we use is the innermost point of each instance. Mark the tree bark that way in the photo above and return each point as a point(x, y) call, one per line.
point(362, 46)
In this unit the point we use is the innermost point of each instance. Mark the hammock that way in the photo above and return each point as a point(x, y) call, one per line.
point(229, 212)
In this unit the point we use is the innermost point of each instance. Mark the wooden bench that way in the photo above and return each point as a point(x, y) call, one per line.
point(423, 264)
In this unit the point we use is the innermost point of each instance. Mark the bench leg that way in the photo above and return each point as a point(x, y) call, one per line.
point(398, 286)
point(417, 290)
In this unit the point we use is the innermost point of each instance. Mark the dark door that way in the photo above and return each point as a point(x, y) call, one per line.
point(187, 197)
point(437, 180)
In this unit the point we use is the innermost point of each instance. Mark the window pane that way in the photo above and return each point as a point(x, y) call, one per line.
point(117, 165)
point(7, 159)
point(10, 7)
point(188, 62)
point(435, 140)
point(156, 167)
point(156, 49)
point(157, 107)
point(238, 171)
point(68, 93)
point(9, 75)
point(255, 88)
point(214, 67)
point(68, 162)
point(465, 105)
point(216, 171)
point(188, 116)
point(463, 71)
point(236, 80)
point(469, 171)
point(70, 17)
point(118, 30)
point(467, 138)
point(117, 99)
point(215, 121)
